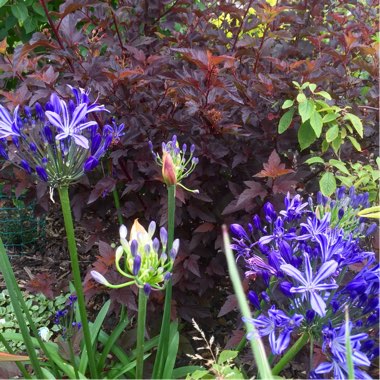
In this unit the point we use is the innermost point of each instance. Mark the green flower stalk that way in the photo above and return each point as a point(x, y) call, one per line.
point(148, 264)
point(175, 167)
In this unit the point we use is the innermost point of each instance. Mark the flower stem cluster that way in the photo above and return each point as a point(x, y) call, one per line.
point(175, 165)
point(56, 142)
point(65, 319)
point(147, 262)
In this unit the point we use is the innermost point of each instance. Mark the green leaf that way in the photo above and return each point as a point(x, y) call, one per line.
point(347, 181)
point(336, 144)
point(287, 104)
point(312, 87)
point(316, 122)
point(325, 146)
point(285, 121)
point(301, 97)
point(339, 165)
point(198, 374)
point(227, 355)
point(329, 117)
point(171, 358)
point(306, 135)
point(356, 123)
point(3, 2)
point(332, 133)
point(327, 184)
point(314, 160)
point(305, 110)
point(181, 372)
point(325, 94)
point(30, 25)
point(20, 11)
point(355, 143)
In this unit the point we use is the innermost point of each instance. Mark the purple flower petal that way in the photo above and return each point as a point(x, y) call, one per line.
point(81, 141)
point(360, 358)
point(291, 271)
point(308, 269)
point(78, 115)
point(55, 119)
point(324, 367)
point(4, 115)
point(326, 286)
point(317, 303)
point(87, 124)
point(326, 270)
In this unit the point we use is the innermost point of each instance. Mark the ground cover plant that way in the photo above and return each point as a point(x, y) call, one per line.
point(160, 121)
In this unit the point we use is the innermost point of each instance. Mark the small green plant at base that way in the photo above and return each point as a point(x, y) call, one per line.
point(41, 309)
point(218, 364)
point(320, 120)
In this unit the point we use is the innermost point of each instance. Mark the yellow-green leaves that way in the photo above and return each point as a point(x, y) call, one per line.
point(356, 123)
point(285, 121)
point(320, 119)
point(327, 184)
point(371, 212)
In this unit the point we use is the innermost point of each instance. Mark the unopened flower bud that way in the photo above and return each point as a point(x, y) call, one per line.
point(99, 278)
point(168, 170)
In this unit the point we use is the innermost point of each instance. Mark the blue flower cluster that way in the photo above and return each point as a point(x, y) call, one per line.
point(302, 255)
point(56, 142)
point(65, 319)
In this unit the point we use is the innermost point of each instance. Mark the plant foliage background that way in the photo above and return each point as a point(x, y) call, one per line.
point(216, 74)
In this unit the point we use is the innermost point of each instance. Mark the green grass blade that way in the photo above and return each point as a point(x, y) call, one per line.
point(94, 331)
point(256, 343)
point(350, 363)
point(11, 284)
point(171, 358)
point(111, 341)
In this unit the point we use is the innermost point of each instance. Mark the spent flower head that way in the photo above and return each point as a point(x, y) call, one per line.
point(175, 165)
point(57, 142)
point(147, 262)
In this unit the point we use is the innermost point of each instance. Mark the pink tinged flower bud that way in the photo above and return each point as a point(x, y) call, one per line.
point(99, 278)
point(168, 170)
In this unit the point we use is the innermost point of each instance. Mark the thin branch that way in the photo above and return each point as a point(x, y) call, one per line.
point(117, 30)
point(241, 25)
point(55, 31)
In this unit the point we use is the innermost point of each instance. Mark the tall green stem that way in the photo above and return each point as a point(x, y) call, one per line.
point(290, 354)
point(163, 343)
point(140, 334)
point(116, 198)
point(69, 226)
point(257, 346)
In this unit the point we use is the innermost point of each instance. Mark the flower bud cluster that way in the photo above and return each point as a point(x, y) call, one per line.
point(65, 319)
point(144, 260)
point(175, 165)
point(55, 142)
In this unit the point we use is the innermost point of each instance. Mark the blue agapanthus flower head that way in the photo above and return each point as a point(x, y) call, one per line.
point(57, 142)
point(304, 254)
